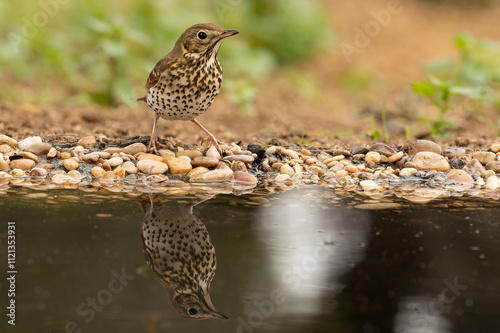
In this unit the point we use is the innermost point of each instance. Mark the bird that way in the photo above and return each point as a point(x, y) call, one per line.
point(185, 82)
point(179, 251)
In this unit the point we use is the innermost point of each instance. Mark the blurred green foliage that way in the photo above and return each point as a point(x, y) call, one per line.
point(472, 79)
point(104, 50)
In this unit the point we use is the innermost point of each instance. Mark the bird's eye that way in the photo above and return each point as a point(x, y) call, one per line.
point(192, 312)
point(202, 35)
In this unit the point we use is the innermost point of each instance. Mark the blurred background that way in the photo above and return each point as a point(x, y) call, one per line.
point(309, 72)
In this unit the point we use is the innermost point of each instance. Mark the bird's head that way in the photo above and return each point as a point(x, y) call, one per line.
point(194, 306)
point(203, 38)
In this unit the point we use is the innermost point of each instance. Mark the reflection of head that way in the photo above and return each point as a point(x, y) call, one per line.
point(178, 250)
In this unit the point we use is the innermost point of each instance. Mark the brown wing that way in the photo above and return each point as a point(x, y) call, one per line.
point(155, 74)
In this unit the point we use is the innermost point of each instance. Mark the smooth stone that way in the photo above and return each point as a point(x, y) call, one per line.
point(395, 157)
point(359, 150)
point(369, 185)
point(286, 170)
point(115, 161)
point(113, 150)
point(345, 153)
point(241, 158)
point(351, 168)
point(189, 153)
point(5, 148)
point(213, 152)
point(150, 157)
point(205, 161)
point(119, 172)
point(474, 167)
point(406, 172)
point(197, 171)
point(39, 149)
point(431, 161)
point(70, 164)
point(52, 153)
point(165, 152)
point(87, 141)
point(91, 158)
point(244, 177)
point(457, 163)
point(23, 164)
point(451, 152)
point(4, 165)
point(238, 166)
point(97, 171)
point(290, 153)
point(493, 165)
point(4, 139)
point(108, 175)
point(74, 176)
point(134, 148)
point(214, 175)
point(372, 156)
point(178, 166)
point(459, 176)
point(65, 155)
point(152, 167)
point(282, 178)
point(26, 143)
point(416, 146)
point(271, 150)
point(18, 173)
point(383, 149)
point(495, 147)
point(38, 173)
point(484, 157)
point(129, 167)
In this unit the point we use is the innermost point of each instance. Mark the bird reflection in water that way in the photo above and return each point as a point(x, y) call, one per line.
point(180, 253)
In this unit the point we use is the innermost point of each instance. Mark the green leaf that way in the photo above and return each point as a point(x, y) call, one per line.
point(423, 88)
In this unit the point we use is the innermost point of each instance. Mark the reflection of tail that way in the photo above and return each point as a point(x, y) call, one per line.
point(141, 99)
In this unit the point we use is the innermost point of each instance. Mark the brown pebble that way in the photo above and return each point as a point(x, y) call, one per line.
point(244, 177)
point(23, 164)
point(351, 168)
point(97, 171)
point(484, 157)
point(70, 164)
point(459, 176)
point(431, 161)
point(38, 173)
point(493, 165)
point(205, 161)
point(87, 141)
point(178, 166)
point(416, 146)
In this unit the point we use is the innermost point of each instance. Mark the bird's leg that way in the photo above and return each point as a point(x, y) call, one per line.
point(211, 137)
point(153, 142)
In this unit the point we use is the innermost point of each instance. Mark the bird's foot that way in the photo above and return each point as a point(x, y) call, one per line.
point(154, 143)
point(212, 141)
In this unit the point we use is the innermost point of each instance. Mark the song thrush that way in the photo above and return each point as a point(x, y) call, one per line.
point(185, 82)
point(178, 250)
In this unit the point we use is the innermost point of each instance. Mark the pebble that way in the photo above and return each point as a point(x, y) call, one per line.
point(4, 139)
point(459, 176)
point(97, 171)
point(23, 164)
point(70, 164)
point(474, 167)
point(74, 176)
point(241, 158)
point(65, 155)
point(416, 146)
point(5, 148)
point(286, 169)
point(406, 172)
point(213, 152)
point(395, 157)
point(495, 147)
point(150, 157)
point(108, 175)
point(244, 177)
point(52, 153)
point(238, 166)
point(369, 185)
point(18, 172)
point(26, 143)
point(178, 166)
point(382, 148)
point(290, 153)
point(213, 175)
point(431, 161)
point(87, 141)
point(457, 163)
point(151, 167)
point(372, 156)
point(39, 148)
point(189, 153)
point(282, 178)
point(4, 165)
point(134, 148)
point(115, 161)
point(119, 172)
point(484, 157)
point(205, 161)
point(271, 150)
point(129, 167)
point(451, 152)
point(359, 150)
point(197, 171)
point(38, 173)
point(493, 165)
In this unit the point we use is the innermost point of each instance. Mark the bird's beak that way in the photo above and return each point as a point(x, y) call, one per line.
point(211, 309)
point(227, 33)
point(218, 315)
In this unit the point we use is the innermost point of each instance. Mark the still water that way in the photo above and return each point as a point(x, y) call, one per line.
point(306, 260)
